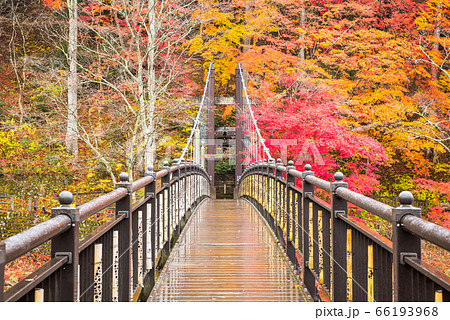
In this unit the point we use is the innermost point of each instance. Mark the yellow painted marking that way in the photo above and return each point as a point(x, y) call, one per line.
point(296, 219)
point(137, 293)
point(438, 296)
point(311, 249)
point(292, 216)
point(349, 266)
point(331, 262)
point(277, 212)
point(370, 274)
point(320, 240)
point(38, 295)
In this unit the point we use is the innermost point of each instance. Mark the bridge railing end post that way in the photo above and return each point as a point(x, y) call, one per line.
point(341, 284)
point(307, 236)
point(67, 244)
point(123, 208)
point(405, 244)
point(290, 210)
point(150, 191)
point(2, 270)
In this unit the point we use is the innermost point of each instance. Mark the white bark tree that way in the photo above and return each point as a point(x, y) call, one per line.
point(137, 51)
point(434, 41)
point(17, 52)
point(72, 82)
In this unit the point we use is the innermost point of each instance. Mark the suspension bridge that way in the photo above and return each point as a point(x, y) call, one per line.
point(275, 240)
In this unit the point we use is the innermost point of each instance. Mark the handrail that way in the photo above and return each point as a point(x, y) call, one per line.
point(424, 229)
point(427, 230)
point(97, 204)
point(21, 243)
point(328, 227)
point(162, 173)
point(138, 184)
point(380, 209)
point(322, 184)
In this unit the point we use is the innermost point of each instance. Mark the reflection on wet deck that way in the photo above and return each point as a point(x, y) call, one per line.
point(227, 253)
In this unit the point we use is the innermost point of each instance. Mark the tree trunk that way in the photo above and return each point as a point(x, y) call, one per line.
point(247, 41)
point(437, 34)
point(20, 76)
point(150, 132)
point(302, 35)
point(72, 130)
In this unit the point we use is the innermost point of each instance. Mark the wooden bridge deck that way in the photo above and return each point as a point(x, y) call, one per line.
point(227, 253)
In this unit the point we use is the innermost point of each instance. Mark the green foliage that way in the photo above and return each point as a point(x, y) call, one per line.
point(12, 223)
point(223, 167)
point(372, 221)
point(402, 183)
point(4, 110)
point(89, 225)
point(32, 185)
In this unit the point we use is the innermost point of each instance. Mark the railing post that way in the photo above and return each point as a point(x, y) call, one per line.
point(278, 197)
point(308, 190)
point(196, 184)
point(188, 188)
point(339, 283)
point(184, 189)
point(165, 182)
point(260, 187)
point(2, 270)
point(267, 191)
point(271, 193)
point(252, 184)
point(150, 191)
point(290, 203)
point(123, 208)
point(176, 194)
point(263, 180)
point(405, 245)
point(193, 186)
point(66, 244)
point(255, 184)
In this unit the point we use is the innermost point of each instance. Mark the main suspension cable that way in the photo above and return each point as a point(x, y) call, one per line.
point(254, 122)
point(197, 118)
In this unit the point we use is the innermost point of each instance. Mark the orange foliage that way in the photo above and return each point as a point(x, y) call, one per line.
point(22, 267)
point(439, 216)
point(54, 4)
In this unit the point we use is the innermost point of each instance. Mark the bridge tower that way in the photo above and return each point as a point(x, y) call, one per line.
point(211, 158)
point(239, 103)
point(211, 145)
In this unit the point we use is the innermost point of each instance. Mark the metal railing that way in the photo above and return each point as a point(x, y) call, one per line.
point(118, 259)
point(79, 199)
point(32, 203)
point(393, 202)
point(339, 259)
point(10, 202)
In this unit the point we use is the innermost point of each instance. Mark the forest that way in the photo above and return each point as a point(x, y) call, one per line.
point(89, 89)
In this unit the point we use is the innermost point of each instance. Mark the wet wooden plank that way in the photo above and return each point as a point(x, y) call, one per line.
point(227, 253)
